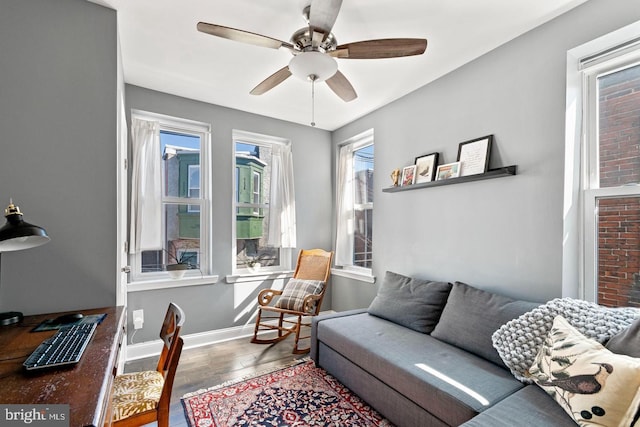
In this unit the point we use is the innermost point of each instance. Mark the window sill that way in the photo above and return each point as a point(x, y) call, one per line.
point(150, 285)
point(254, 277)
point(355, 275)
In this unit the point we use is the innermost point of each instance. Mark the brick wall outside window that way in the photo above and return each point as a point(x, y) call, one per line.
point(619, 252)
point(619, 218)
point(619, 134)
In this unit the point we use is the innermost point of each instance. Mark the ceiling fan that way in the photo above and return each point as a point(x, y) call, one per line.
point(315, 47)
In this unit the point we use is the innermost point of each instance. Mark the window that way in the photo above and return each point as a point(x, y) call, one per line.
point(609, 176)
point(193, 186)
point(354, 236)
point(257, 191)
point(264, 220)
point(175, 169)
point(189, 256)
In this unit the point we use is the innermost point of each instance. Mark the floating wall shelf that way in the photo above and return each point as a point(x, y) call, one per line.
point(493, 173)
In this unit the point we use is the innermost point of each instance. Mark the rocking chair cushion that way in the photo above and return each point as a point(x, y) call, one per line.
point(295, 291)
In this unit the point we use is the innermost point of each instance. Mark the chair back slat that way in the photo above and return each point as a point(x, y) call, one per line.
point(169, 333)
point(172, 366)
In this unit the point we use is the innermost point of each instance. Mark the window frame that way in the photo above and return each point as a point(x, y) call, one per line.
point(203, 131)
point(585, 64)
point(285, 253)
point(362, 140)
point(592, 192)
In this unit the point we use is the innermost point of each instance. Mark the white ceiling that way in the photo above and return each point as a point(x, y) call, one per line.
point(162, 50)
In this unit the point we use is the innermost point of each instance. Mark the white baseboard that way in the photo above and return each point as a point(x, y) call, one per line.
point(152, 348)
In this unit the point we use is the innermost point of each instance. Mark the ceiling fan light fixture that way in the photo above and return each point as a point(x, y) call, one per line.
point(307, 64)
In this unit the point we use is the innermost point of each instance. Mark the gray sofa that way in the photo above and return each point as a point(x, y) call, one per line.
point(422, 355)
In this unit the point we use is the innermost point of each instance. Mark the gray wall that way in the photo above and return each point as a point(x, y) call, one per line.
point(218, 306)
point(505, 234)
point(57, 151)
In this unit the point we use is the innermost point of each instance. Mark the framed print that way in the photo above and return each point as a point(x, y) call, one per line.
point(395, 177)
point(426, 167)
point(408, 175)
point(447, 171)
point(474, 155)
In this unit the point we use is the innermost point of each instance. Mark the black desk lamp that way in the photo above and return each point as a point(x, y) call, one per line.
point(16, 235)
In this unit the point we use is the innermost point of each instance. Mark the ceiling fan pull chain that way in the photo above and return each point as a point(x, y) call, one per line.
point(313, 100)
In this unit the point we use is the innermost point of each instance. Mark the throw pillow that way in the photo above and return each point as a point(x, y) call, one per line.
point(295, 290)
point(471, 315)
point(414, 303)
point(592, 385)
point(519, 340)
point(626, 342)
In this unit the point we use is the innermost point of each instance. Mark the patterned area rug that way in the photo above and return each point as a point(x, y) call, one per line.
point(300, 395)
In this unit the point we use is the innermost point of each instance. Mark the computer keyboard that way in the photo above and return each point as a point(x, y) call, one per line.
point(64, 348)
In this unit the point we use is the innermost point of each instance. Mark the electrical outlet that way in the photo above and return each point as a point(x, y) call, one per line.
point(138, 319)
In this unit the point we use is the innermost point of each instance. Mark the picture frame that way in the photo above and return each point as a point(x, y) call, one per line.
point(448, 171)
point(408, 175)
point(426, 167)
point(474, 155)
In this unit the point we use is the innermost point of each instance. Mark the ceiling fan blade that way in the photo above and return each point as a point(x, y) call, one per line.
point(341, 86)
point(322, 16)
point(242, 36)
point(272, 81)
point(383, 48)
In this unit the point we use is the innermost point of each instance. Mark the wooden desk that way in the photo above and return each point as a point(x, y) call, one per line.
point(86, 387)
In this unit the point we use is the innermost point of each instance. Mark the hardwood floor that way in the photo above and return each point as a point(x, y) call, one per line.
point(207, 366)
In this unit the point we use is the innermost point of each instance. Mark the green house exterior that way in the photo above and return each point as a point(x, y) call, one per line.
point(249, 178)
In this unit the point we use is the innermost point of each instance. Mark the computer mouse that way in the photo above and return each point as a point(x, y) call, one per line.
point(68, 318)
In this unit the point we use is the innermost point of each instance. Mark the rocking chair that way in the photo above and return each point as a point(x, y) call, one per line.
point(301, 298)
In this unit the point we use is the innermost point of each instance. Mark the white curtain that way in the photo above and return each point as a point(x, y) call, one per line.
point(344, 207)
point(282, 206)
point(146, 187)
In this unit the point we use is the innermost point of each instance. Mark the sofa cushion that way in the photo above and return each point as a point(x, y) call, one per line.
point(626, 342)
point(472, 315)
point(398, 409)
point(529, 406)
point(450, 383)
point(518, 340)
point(414, 303)
point(592, 384)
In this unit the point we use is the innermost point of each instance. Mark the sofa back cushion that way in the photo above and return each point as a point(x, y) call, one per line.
point(414, 303)
point(627, 342)
point(472, 315)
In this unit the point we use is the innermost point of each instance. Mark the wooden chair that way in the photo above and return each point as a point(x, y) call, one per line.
point(143, 397)
point(300, 298)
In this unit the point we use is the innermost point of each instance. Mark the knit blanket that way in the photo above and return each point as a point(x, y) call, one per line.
point(519, 340)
